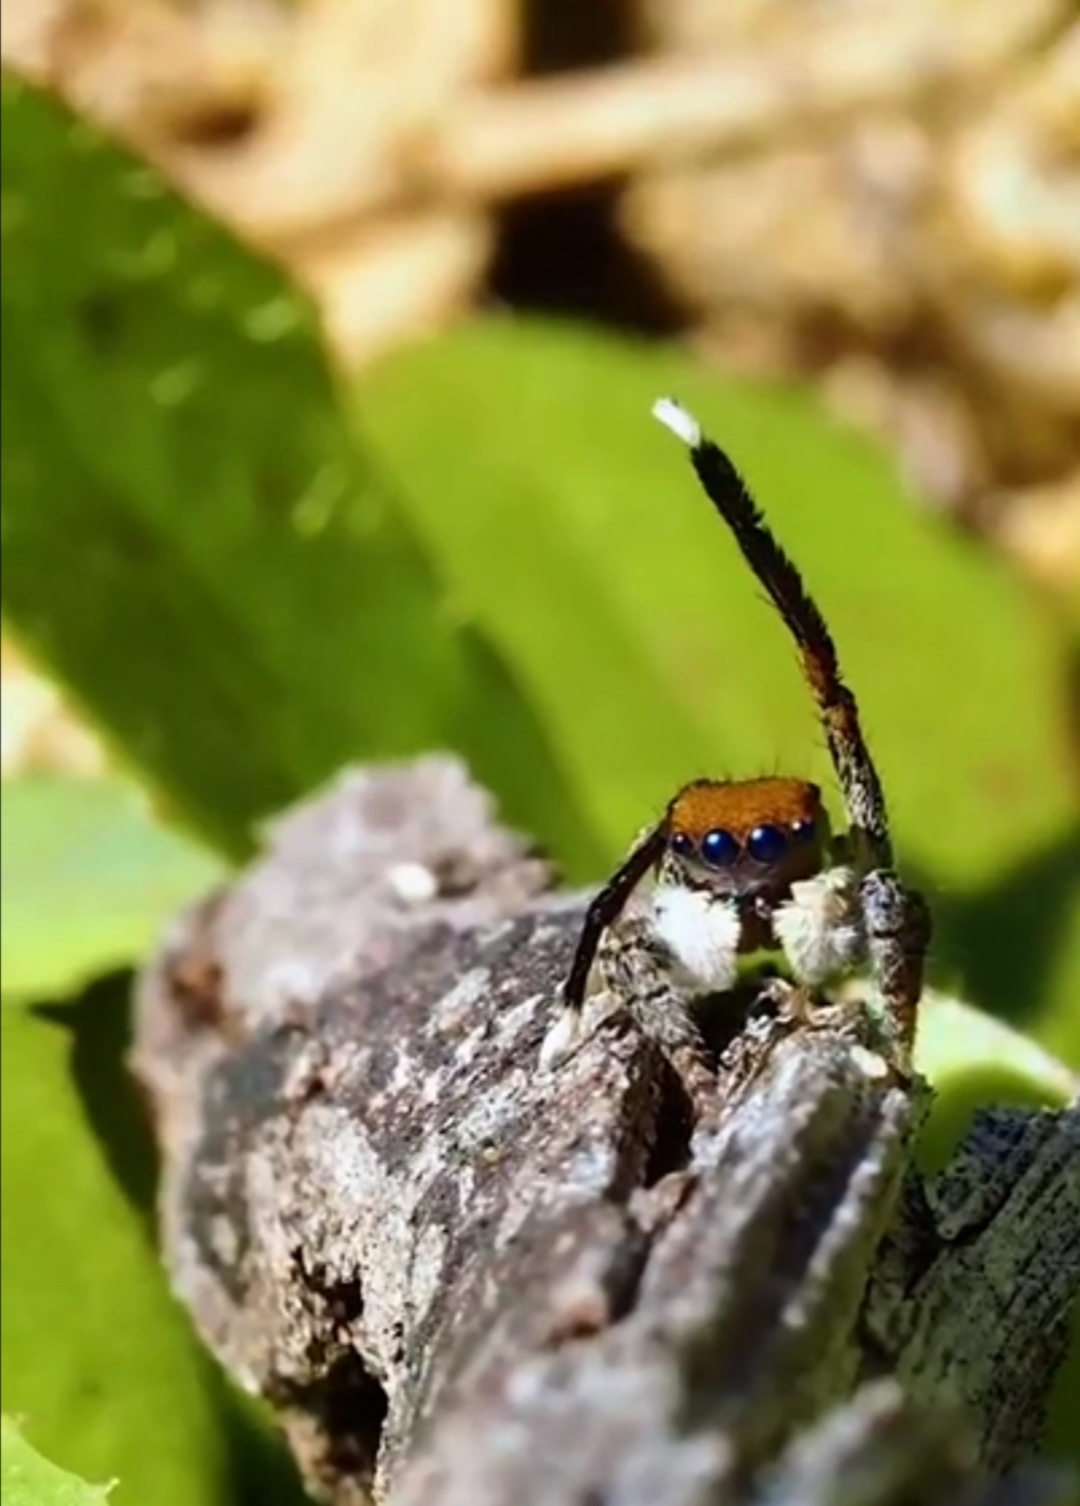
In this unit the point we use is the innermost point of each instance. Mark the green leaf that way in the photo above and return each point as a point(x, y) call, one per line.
point(87, 880)
point(26, 1479)
point(193, 542)
point(572, 525)
point(972, 1059)
point(96, 1359)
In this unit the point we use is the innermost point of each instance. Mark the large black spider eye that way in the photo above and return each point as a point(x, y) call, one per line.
point(766, 843)
point(719, 849)
point(682, 845)
point(802, 831)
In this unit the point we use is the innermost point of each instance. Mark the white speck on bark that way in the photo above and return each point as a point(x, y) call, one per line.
point(412, 883)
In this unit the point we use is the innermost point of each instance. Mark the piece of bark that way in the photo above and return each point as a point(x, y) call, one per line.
point(625, 1283)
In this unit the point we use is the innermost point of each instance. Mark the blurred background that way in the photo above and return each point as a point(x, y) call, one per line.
point(876, 203)
point(879, 197)
point(331, 330)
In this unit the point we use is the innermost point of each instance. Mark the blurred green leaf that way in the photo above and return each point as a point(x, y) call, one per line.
point(192, 541)
point(973, 1060)
point(87, 880)
point(95, 1358)
point(26, 1479)
point(572, 524)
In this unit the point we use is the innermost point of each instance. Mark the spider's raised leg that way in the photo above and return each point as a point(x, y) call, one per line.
point(856, 773)
point(896, 920)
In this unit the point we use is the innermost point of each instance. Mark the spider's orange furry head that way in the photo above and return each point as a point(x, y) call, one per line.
point(748, 834)
point(738, 806)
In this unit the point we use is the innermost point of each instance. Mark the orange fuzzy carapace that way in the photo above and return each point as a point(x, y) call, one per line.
point(740, 805)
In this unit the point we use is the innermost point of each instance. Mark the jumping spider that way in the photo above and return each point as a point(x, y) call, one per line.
point(750, 865)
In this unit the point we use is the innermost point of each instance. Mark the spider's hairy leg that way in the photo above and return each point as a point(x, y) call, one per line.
point(856, 773)
point(605, 908)
point(896, 920)
point(898, 927)
point(638, 969)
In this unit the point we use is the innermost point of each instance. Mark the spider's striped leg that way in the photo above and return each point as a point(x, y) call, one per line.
point(638, 969)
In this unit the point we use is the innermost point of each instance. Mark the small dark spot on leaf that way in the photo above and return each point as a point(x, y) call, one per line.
point(101, 317)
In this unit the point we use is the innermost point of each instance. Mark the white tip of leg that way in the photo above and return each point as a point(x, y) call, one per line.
point(869, 1063)
point(682, 424)
point(560, 1039)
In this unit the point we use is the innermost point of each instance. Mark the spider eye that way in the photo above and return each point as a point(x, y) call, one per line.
point(719, 849)
point(766, 843)
point(802, 831)
point(682, 845)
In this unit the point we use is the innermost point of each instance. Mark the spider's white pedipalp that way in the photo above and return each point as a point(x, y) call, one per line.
point(818, 927)
point(701, 931)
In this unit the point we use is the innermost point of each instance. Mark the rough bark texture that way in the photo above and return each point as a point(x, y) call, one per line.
point(633, 1282)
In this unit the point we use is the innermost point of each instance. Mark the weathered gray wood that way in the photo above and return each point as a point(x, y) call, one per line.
point(629, 1283)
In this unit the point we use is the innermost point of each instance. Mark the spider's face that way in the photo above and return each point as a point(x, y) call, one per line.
point(750, 839)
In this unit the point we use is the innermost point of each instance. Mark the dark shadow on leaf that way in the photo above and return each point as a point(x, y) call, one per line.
point(1004, 942)
point(99, 1022)
point(262, 1468)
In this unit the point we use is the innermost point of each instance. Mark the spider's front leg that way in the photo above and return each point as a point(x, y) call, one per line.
point(897, 929)
point(654, 958)
point(636, 967)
